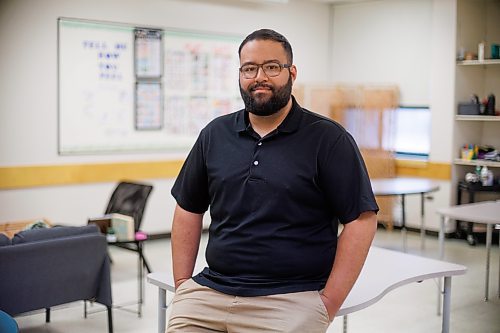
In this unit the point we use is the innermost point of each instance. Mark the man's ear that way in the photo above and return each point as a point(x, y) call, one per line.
point(293, 72)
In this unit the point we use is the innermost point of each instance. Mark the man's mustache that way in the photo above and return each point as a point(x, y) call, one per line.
point(260, 85)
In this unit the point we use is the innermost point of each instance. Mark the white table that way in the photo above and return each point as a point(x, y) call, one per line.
point(486, 212)
point(384, 270)
point(403, 186)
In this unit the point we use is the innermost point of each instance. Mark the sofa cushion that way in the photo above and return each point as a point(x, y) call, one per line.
point(4, 240)
point(35, 235)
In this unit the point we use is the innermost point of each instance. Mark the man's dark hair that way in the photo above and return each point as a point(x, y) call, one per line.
point(268, 34)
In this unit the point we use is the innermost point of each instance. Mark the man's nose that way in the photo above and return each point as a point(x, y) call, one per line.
point(261, 75)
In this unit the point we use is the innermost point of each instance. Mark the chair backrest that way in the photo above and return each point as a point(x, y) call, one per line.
point(7, 323)
point(130, 199)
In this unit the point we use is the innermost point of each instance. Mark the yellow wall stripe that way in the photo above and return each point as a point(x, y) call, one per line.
point(423, 169)
point(49, 175)
point(32, 176)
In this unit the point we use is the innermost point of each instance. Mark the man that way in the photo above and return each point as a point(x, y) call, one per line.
point(277, 179)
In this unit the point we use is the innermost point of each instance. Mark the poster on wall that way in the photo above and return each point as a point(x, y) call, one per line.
point(117, 94)
point(148, 53)
point(201, 80)
point(149, 106)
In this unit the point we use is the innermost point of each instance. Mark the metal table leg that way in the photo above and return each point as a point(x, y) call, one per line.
point(441, 257)
point(422, 221)
point(403, 228)
point(344, 324)
point(162, 307)
point(489, 228)
point(446, 304)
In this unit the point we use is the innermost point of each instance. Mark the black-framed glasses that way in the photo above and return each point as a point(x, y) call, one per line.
point(270, 68)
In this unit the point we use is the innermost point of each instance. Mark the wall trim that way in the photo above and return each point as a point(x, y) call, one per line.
point(423, 169)
point(50, 175)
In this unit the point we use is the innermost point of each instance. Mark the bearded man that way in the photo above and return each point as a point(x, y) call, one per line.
point(277, 179)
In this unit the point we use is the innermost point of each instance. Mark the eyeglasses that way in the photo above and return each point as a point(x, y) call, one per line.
point(271, 69)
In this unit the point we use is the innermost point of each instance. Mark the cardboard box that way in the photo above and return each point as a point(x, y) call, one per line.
point(123, 225)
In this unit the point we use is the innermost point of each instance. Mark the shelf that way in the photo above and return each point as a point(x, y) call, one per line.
point(492, 164)
point(477, 118)
point(477, 62)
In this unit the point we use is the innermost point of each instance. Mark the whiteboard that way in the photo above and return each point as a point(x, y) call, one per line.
point(98, 88)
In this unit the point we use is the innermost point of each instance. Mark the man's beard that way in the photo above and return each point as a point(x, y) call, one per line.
point(276, 102)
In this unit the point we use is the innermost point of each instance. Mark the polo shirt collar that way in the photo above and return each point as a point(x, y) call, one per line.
point(290, 123)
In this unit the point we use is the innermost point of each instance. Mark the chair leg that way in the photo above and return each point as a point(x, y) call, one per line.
point(47, 315)
point(110, 320)
point(141, 254)
point(85, 309)
point(148, 268)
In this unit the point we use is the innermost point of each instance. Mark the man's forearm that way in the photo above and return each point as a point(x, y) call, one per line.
point(185, 242)
point(352, 249)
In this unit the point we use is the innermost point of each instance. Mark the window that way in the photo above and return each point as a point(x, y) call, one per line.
point(412, 132)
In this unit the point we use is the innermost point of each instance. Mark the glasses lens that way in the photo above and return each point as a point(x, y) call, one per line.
point(272, 68)
point(249, 71)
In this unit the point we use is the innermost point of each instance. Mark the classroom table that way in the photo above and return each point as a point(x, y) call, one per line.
point(485, 212)
point(404, 186)
point(384, 270)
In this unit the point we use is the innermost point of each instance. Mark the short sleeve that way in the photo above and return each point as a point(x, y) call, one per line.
point(344, 178)
point(190, 189)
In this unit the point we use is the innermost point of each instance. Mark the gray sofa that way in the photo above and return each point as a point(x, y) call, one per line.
point(42, 268)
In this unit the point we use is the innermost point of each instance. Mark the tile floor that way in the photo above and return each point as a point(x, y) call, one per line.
point(408, 309)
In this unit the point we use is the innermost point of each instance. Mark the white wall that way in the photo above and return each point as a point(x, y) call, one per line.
point(28, 87)
point(384, 42)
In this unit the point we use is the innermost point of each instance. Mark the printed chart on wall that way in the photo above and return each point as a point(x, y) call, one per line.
point(124, 88)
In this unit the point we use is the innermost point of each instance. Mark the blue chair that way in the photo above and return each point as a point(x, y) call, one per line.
point(7, 323)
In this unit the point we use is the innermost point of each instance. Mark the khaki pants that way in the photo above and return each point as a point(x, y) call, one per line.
point(196, 308)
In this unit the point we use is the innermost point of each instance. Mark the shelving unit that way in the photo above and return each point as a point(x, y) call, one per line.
point(477, 21)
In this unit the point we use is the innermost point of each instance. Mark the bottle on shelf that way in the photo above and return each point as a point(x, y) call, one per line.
point(480, 51)
point(478, 171)
point(486, 176)
point(490, 105)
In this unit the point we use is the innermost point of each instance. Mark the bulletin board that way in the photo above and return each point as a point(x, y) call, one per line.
point(123, 88)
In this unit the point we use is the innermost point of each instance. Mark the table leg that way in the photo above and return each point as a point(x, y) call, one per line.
point(446, 304)
point(162, 307)
point(471, 239)
point(422, 221)
point(403, 228)
point(441, 256)
point(344, 324)
point(441, 236)
point(489, 228)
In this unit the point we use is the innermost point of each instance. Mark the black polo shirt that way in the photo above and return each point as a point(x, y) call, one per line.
point(275, 202)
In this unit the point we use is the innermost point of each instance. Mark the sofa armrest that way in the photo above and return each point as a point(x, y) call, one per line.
point(46, 273)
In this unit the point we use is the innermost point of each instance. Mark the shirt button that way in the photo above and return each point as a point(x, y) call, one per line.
point(255, 162)
point(259, 144)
